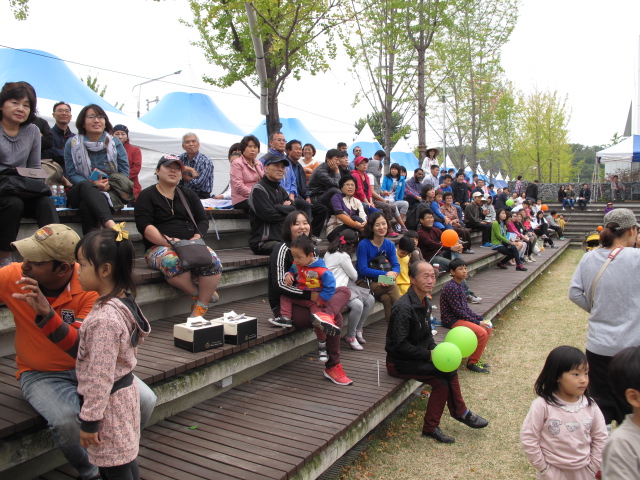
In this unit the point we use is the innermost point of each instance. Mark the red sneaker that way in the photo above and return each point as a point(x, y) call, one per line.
point(326, 323)
point(392, 234)
point(337, 375)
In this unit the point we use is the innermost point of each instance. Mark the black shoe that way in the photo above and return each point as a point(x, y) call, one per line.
point(502, 266)
point(281, 321)
point(472, 420)
point(474, 367)
point(439, 435)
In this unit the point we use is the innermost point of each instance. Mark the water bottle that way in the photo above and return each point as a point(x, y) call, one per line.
point(62, 197)
point(54, 195)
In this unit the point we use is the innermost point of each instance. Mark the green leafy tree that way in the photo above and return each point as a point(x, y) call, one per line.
point(92, 83)
point(20, 8)
point(376, 122)
point(382, 62)
point(297, 38)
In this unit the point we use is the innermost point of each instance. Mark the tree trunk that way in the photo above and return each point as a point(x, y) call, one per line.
point(273, 117)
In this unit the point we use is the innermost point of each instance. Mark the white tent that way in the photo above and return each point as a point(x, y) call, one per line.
point(622, 155)
point(367, 141)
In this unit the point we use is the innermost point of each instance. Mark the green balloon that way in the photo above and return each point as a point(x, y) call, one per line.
point(464, 338)
point(446, 357)
point(509, 202)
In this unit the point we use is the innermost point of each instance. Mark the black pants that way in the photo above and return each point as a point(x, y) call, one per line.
point(93, 205)
point(509, 252)
point(612, 407)
point(542, 230)
point(128, 471)
point(582, 204)
point(556, 229)
point(318, 217)
point(484, 227)
point(243, 205)
point(13, 209)
point(325, 199)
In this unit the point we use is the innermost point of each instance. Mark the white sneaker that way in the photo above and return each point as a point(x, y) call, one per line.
point(360, 338)
point(353, 343)
point(323, 355)
point(531, 259)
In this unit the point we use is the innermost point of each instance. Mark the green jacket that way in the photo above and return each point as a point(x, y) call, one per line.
point(498, 233)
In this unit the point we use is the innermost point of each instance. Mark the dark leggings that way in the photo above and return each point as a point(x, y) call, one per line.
point(509, 252)
point(13, 208)
point(612, 407)
point(128, 471)
point(93, 205)
point(543, 231)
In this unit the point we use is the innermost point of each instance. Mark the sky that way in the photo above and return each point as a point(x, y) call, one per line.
point(585, 50)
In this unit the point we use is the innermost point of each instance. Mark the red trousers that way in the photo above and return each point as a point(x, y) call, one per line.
point(301, 317)
point(481, 333)
point(445, 389)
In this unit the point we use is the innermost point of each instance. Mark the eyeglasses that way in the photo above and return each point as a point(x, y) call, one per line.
point(63, 111)
point(99, 117)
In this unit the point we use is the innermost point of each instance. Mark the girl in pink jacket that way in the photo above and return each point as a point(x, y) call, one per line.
point(109, 339)
point(564, 433)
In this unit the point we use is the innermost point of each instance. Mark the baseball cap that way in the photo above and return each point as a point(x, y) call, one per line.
point(476, 194)
point(624, 217)
point(359, 160)
point(51, 242)
point(277, 159)
point(167, 160)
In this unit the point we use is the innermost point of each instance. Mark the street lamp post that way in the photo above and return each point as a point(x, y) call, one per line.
point(139, 85)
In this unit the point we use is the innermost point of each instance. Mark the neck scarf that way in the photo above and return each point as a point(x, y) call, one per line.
point(80, 153)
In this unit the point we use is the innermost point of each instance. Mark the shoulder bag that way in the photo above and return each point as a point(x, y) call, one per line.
point(192, 253)
point(610, 258)
point(25, 183)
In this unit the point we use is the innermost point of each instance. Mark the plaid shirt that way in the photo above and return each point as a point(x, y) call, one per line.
point(204, 166)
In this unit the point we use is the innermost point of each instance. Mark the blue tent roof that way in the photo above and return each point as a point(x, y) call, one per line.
point(405, 159)
point(49, 76)
point(292, 128)
point(190, 111)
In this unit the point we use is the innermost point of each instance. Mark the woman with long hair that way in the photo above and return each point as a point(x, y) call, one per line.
point(502, 244)
point(392, 190)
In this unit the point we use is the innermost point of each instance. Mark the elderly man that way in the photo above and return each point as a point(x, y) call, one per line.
point(269, 204)
point(61, 132)
point(198, 168)
point(48, 305)
point(474, 219)
point(409, 346)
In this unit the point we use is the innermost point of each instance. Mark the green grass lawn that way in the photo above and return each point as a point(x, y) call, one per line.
point(524, 334)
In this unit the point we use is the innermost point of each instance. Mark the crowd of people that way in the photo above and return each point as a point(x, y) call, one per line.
point(82, 347)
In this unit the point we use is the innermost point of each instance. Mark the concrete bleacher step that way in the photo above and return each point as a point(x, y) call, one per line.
point(180, 391)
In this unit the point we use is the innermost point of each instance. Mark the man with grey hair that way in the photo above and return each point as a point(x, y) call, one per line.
point(198, 168)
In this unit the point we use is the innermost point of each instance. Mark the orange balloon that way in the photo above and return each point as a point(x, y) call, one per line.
point(545, 208)
point(449, 238)
point(600, 228)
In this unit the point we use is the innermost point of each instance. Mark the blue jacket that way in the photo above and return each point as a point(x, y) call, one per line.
point(315, 277)
point(367, 251)
point(387, 183)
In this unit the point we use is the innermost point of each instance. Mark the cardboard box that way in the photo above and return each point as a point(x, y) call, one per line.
point(199, 336)
point(238, 329)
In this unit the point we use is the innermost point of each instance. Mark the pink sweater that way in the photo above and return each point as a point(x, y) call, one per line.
point(243, 178)
point(569, 437)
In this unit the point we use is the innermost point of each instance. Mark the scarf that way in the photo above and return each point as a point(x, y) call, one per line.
point(79, 153)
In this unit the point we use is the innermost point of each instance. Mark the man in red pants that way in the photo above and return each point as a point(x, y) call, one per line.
point(409, 345)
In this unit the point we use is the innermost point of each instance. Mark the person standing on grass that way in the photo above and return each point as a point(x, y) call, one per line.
point(409, 345)
point(455, 312)
point(613, 305)
point(564, 432)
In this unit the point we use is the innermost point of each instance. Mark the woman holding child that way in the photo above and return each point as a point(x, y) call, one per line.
point(601, 286)
point(296, 224)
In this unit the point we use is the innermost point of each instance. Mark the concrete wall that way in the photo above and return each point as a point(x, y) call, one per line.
point(549, 191)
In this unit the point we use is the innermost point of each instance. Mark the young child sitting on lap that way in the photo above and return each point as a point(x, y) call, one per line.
point(311, 274)
point(622, 451)
point(404, 249)
point(455, 312)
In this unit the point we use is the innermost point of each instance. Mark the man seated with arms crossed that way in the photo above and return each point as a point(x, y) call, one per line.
point(198, 168)
point(409, 345)
point(48, 305)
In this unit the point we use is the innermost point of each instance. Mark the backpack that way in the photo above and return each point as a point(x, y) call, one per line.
point(381, 262)
point(413, 215)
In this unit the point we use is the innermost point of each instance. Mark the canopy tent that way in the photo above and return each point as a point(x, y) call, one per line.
point(402, 154)
point(53, 81)
point(621, 156)
point(190, 111)
point(292, 128)
point(366, 140)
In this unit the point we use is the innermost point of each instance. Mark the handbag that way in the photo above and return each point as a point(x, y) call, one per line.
point(24, 183)
point(381, 262)
point(192, 253)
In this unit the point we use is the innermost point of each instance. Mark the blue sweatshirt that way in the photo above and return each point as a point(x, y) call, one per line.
point(367, 251)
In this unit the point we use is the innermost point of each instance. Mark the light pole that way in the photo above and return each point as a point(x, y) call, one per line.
point(139, 85)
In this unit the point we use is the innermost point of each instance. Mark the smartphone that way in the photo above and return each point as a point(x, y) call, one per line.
point(95, 175)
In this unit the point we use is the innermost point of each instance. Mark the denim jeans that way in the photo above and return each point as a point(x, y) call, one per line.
point(55, 396)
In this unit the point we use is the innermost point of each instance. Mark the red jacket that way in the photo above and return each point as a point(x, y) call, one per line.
point(360, 195)
point(135, 164)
